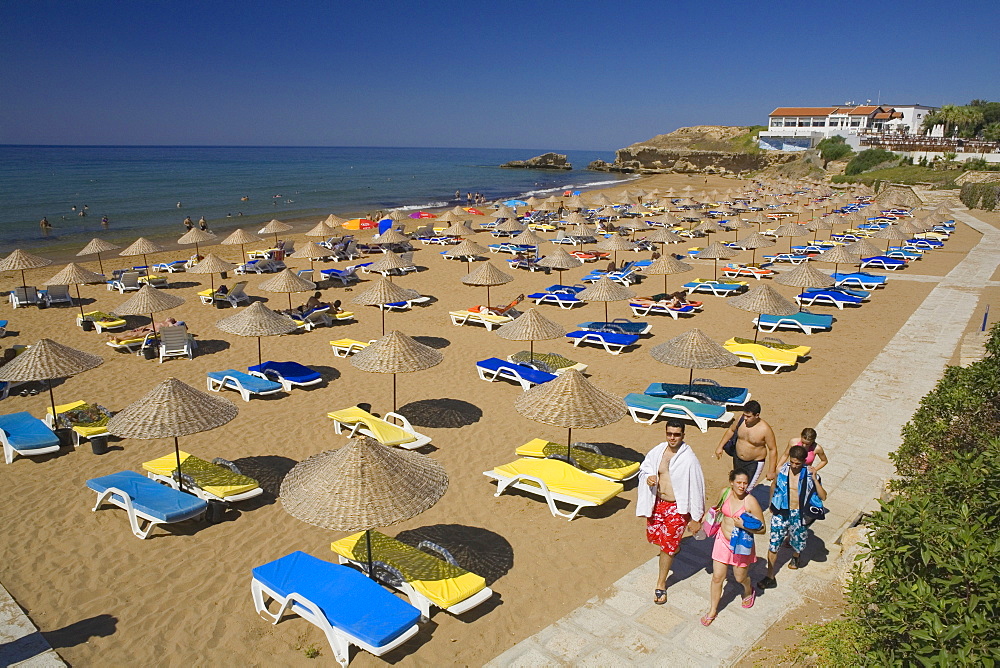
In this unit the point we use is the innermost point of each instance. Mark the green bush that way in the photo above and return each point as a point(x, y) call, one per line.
point(869, 159)
point(980, 195)
point(833, 148)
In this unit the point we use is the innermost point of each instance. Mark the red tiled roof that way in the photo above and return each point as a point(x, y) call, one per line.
point(803, 111)
point(862, 110)
point(885, 115)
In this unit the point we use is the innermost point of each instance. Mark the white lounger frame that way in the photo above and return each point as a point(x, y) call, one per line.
point(641, 310)
point(404, 424)
point(535, 485)
point(346, 351)
point(677, 411)
point(340, 641)
point(108, 496)
point(217, 385)
point(459, 319)
point(711, 287)
point(594, 338)
point(762, 365)
point(9, 450)
point(201, 493)
point(787, 323)
point(821, 300)
point(561, 303)
point(507, 373)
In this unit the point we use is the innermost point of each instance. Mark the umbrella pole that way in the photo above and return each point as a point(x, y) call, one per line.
point(756, 328)
point(145, 263)
point(260, 359)
point(690, 379)
point(487, 296)
point(24, 281)
point(289, 301)
point(605, 312)
point(393, 393)
point(664, 283)
point(79, 300)
point(177, 453)
point(531, 350)
point(99, 263)
point(569, 443)
point(152, 322)
point(382, 308)
point(368, 546)
point(52, 398)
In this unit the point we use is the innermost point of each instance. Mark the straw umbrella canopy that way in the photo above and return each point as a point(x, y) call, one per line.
point(468, 249)
point(149, 300)
point(754, 241)
point(504, 211)
point(838, 255)
point(819, 224)
point(361, 486)
point(48, 360)
point(274, 227)
point(864, 248)
point(571, 401)
point(74, 274)
point(287, 281)
point(241, 237)
point(529, 238)
point(709, 227)
point(531, 326)
point(791, 230)
point(560, 260)
point(196, 236)
point(890, 234)
point(666, 265)
point(211, 265)
point(334, 221)
point(488, 276)
point(737, 224)
point(693, 350)
point(257, 320)
point(577, 218)
point(143, 246)
point(510, 225)
point(311, 251)
point(453, 215)
point(716, 251)
point(21, 260)
point(396, 353)
point(321, 230)
point(636, 225)
point(170, 410)
point(661, 235)
point(602, 199)
point(574, 202)
point(98, 246)
point(806, 276)
point(457, 229)
point(390, 236)
point(763, 299)
point(605, 290)
point(381, 293)
point(395, 216)
point(388, 262)
point(615, 243)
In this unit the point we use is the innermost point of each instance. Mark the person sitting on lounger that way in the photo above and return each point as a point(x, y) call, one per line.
point(311, 304)
point(140, 332)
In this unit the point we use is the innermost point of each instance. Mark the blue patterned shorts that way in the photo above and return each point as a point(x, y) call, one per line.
point(790, 525)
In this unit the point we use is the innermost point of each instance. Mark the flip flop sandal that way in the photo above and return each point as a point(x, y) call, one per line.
point(707, 621)
point(749, 600)
point(795, 562)
point(660, 593)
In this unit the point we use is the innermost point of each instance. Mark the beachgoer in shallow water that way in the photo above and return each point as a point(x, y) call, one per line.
point(203, 224)
point(104, 222)
point(188, 223)
point(45, 226)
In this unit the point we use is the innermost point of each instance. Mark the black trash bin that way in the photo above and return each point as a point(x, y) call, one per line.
point(216, 512)
point(150, 352)
point(65, 437)
point(99, 444)
point(87, 325)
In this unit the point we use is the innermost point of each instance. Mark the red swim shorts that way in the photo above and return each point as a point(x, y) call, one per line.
point(665, 527)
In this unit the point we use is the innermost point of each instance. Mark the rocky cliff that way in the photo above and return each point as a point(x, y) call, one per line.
point(544, 161)
point(708, 149)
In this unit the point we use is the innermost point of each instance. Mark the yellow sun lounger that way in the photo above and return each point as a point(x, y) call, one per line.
point(555, 481)
point(767, 360)
point(799, 351)
point(346, 347)
point(591, 461)
point(361, 421)
point(101, 320)
point(85, 420)
point(425, 579)
point(488, 320)
point(212, 482)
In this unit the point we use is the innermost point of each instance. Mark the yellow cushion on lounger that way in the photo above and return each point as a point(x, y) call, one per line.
point(385, 433)
point(348, 343)
point(343, 315)
point(444, 584)
point(609, 467)
point(206, 293)
point(212, 478)
point(762, 353)
point(84, 430)
point(801, 351)
point(107, 321)
point(562, 478)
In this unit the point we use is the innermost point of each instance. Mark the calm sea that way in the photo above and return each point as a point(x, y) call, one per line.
point(139, 187)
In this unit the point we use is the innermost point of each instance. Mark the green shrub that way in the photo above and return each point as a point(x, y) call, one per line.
point(833, 148)
point(869, 159)
point(980, 195)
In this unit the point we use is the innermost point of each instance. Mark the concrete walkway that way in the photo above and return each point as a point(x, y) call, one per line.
point(624, 627)
point(21, 644)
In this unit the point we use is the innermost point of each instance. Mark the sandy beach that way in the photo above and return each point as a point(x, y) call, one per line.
point(182, 597)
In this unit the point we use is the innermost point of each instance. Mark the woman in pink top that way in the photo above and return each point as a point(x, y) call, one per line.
point(814, 451)
point(737, 503)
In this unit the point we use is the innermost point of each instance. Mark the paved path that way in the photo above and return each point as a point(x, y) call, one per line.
point(624, 627)
point(21, 644)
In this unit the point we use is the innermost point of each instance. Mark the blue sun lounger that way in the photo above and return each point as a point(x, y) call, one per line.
point(719, 394)
point(860, 279)
point(24, 434)
point(804, 321)
point(925, 244)
point(828, 297)
point(883, 261)
point(347, 606)
point(493, 368)
point(612, 342)
point(289, 374)
point(904, 253)
point(618, 325)
point(145, 500)
point(565, 300)
point(717, 288)
point(573, 289)
point(645, 409)
point(243, 383)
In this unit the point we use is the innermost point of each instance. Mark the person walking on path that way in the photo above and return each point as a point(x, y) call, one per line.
point(671, 496)
point(788, 510)
point(754, 450)
point(734, 546)
point(814, 451)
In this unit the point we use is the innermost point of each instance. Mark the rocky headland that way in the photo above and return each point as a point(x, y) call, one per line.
point(544, 161)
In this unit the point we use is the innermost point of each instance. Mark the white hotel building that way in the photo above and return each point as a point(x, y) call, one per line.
point(801, 128)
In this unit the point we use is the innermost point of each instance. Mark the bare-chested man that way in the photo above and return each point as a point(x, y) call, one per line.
point(756, 449)
point(671, 496)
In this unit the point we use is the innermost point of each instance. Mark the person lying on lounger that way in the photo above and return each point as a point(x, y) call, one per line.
point(311, 304)
point(140, 332)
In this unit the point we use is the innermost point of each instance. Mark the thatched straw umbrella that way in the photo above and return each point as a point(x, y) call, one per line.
point(791, 230)
point(396, 353)
point(864, 248)
point(615, 243)
point(321, 230)
point(170, 410)
point(763, 300)
point(387, 263)
point(693, 350)
point(361, 486)
point(716, 251)
point(74, 274)
point(806, 276)
point(560, 260)
point(334, 221)
point(457, 229)
point(511, 225)
point(311, 251)
point(571, 401)
point(196, 236)
point(488, 276)
point(274, 227)
point(819, 224)
point(143, 246)
point(468, 249)
point(149, 300)
point(529, 238)
point(666, 265)
point(384, 292)
point(287, 281)
point(48, 360)
point(211, 265)
point(98, 246)
point(241, 237)
point(737, 224)
point(257, 320)
point(890, 234)
point(605, 290)
point(21, 260)
point(531, 326)
point(389, 237)
point(754, 241)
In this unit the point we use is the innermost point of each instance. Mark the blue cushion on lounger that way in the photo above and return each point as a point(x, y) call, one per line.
point(806, 318)
point(529, 374)
point(252, 383)
point(565, 288)
point(729, 395)
point(164, 503)
point(350, 600)
point(26, 432)
point(709, 411)
point(618, 326)
point(609, 337)
point(293, 371)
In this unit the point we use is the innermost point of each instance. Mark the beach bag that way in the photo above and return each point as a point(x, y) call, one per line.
point(713, 518)
point(730, 447)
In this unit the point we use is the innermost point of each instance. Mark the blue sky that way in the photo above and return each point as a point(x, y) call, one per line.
point(543, 74)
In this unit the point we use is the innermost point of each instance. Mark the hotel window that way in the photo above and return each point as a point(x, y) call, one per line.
point(855, 123)
point(803, 122)
point(819, 123)
point(790, 123)
point(776, 122)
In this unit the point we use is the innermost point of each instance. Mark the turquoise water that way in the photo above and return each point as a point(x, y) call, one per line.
point(138, 187)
